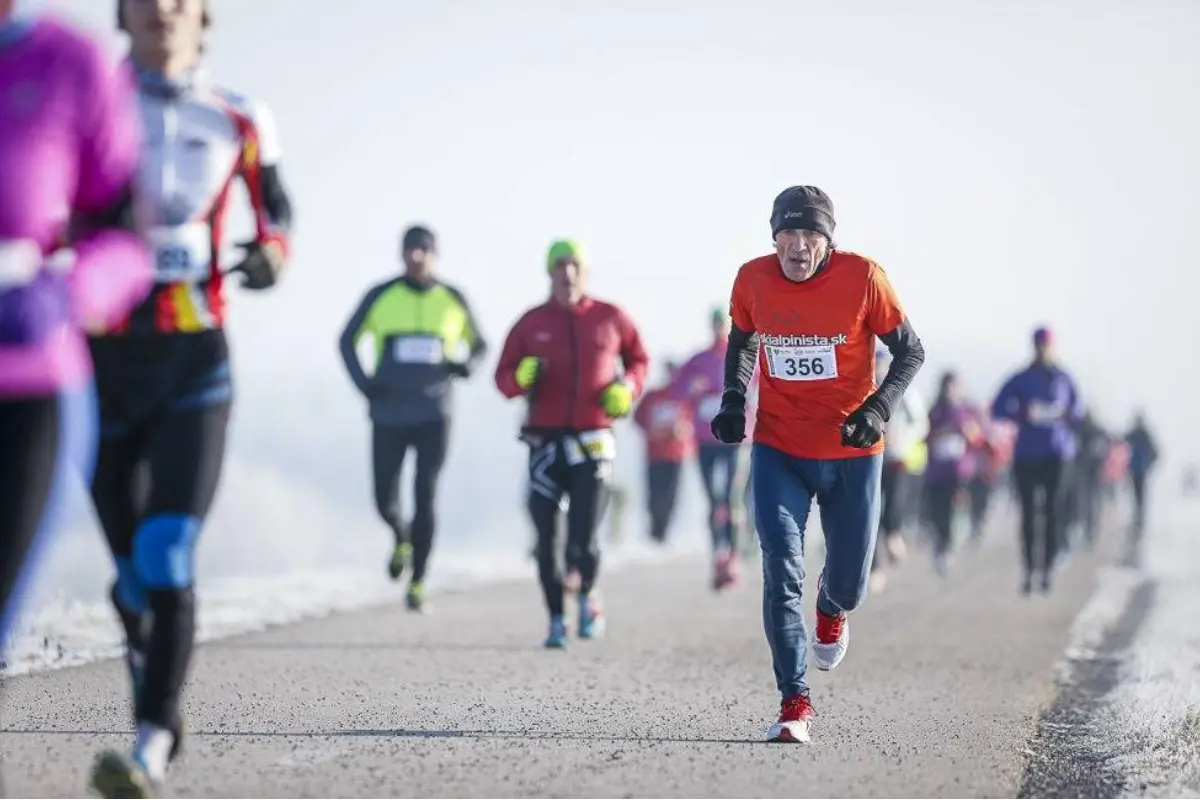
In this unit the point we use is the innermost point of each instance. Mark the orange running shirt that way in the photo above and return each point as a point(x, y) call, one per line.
point(816, 351)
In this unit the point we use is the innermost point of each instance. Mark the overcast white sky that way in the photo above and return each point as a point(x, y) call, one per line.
point(1008, 163)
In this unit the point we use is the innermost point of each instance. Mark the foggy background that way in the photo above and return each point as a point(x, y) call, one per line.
point(1009, 164)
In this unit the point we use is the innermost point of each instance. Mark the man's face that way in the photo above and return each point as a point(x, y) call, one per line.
point(420, 259)
point(164, 27)
point(567, 278)
point(800, 252)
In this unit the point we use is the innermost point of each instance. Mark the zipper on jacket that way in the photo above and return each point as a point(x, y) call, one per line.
point(573, 389)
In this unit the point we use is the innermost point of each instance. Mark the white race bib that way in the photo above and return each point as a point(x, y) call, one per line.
point(419, 350)
point(709, 406)
point(182, 253)
point(664, 415)
point(816, 362)
point(601, 445)
point(1044, 413)
point(20, 261)
point(949, 447)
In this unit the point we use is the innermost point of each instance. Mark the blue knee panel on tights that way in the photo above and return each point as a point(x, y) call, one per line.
point(162, 551)
point(130, 592)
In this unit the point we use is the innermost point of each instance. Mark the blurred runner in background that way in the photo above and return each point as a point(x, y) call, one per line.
point(581, 364)
point(423, 337)
point(670, 435)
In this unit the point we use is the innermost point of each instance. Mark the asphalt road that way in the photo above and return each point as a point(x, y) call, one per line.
point(939, 696)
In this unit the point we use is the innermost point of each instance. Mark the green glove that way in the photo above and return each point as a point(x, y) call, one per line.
point(528, 370)
point(617, 399)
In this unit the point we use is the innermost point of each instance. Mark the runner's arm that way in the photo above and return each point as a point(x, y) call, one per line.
point(634, 357)
point(741, 354)
point(506, 367)
point(260, 171)
point(351, 334)
point(1007, 403)
point(887, 320)
point(474, 336)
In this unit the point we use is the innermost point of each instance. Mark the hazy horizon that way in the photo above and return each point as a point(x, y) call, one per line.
point(1008, 164)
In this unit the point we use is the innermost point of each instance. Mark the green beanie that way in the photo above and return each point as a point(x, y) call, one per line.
point(564, 248)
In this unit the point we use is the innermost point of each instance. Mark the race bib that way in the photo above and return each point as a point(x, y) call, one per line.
point(20, 261)
point(709, 406)
point(664, 415)
point(599, 445)
point(1044, 413)
point(182, 253)
point(419, 350)
point(949, 447)
point(805, 363)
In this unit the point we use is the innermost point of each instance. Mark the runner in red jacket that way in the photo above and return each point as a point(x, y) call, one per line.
point(670, 432)
point(563, 357)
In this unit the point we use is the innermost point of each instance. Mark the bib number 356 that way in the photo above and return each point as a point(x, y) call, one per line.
point(816, 363)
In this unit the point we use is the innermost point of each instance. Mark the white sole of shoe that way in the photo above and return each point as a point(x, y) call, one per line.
point(828, 656)
point(788, 732)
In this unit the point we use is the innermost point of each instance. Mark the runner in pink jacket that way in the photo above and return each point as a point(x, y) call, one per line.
point(69, 146)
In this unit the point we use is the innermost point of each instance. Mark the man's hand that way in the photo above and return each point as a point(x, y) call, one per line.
point(262, 265)
point(617, 399)
point(729, 425)
point(529, 369)
point(863, 428)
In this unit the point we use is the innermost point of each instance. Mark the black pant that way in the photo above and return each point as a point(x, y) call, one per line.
point(941, 495)
point(1040, 486)
point(584, 489)
point(164, 413)
point(662, 490)
point(1138, 480)
point(725, 479)
point(979, 492)
point(29, 444)
point(389, 446)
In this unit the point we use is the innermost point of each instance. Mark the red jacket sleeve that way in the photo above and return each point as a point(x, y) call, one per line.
point(641, 415)
point(510, 357)
point(634, 357)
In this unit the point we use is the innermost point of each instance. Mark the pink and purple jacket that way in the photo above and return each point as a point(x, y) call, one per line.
point(69, 147)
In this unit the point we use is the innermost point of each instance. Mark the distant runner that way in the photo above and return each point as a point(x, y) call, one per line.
point(808, 314)
point(564, 357)
point(423, 337)
point(1044, 403)
point(670, 442)
point(956, 439)
point(1143, 457)
point(904, 462)
point(724, 468)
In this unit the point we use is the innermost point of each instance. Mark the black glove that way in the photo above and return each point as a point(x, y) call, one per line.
point(863, 428)
point(729, 425)
point(258, 270)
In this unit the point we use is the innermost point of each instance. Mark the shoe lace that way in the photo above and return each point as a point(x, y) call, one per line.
point(793, 708)
point(829, 628)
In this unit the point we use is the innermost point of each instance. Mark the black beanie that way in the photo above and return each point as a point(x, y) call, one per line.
point(418, 237)
point(803, 208)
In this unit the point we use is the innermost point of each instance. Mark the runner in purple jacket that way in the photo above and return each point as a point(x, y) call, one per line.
point(723, 467)
point(1044, 403)
point(69, 145)
point(955, 437)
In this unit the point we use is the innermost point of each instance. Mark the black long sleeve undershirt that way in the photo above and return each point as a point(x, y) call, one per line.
point(740, 356)
point(908, 354)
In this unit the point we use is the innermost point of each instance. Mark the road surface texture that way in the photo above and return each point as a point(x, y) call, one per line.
point(940, 696)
